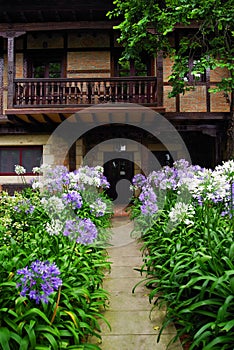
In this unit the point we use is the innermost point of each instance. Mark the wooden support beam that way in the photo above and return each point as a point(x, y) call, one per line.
point(17, 120)
point(48, 26)
point(197, 116)
point(48, 120)
point(33, 120)
point(159, 92)
point(10, 35)
point(62, 117)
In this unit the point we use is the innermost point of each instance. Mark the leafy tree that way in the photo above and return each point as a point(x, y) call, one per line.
point(205, 30)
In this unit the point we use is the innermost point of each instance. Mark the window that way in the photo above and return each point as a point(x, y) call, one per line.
point(129, 68)
point(28, 157)
point(196, 72)
point(47, 70)
point(45, 65)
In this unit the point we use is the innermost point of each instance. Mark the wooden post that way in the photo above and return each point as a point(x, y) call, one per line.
point(10, 35)
point(1, 83)
point(159, 79)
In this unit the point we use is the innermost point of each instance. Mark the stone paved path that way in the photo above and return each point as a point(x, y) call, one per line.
point(128, 314)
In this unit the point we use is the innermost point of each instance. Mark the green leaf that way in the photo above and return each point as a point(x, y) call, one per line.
point(31, 333)
point(48, 329)
point(202, 329)
point(52, 340)
point(24, 344)
point(228, 326)
point(4, 338)
point(219, 340)
point(32, 313)
point(223, 309)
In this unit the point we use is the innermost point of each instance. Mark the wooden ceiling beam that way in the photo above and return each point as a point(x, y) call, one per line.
point(62, 117)
point(45, 26)
point(48, 120)
point(33, 120)
point(17, 120)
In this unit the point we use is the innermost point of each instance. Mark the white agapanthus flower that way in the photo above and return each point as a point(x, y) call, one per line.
point(37, 170)
point(53, 204)
point(19, 169)
point(55, 227)
point(182, 212)
point(227, 169)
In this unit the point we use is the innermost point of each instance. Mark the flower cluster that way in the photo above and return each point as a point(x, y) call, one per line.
point(139, 181)
point(73, 198)
point(182, 212)
point(202, 185)
point(98, 208)
point(90, 176)
point(54, 227)
point(53, 204)
point(81, 230)
point(24, 206)
point(39, 280)
point(149, 201)
point(65, 197)
point(56, 179)
point(20, 170)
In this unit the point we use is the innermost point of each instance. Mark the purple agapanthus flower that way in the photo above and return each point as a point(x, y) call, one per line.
point(73, 198)
point(82, 231)
point(39, 280)
point(56, 179)
point(24, 206)
point(139, 180)
point(149, 201)
point(98, 208)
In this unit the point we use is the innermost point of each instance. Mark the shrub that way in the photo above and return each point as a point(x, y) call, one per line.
point(189, 251)
point(53, 238)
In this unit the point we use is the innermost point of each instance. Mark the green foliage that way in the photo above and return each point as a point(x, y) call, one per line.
point(149, 26)
point(73, 313)
point(190, 270)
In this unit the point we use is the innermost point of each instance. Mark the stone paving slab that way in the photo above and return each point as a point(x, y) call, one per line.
point(135, 322)
point(123, 284)
point(139, 342)
point(123, 271)
point(132, 328)
point(125, 301)
point(133, 261)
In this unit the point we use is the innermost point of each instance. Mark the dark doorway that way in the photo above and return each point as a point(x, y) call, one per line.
point(201, 148)
point(119, 172)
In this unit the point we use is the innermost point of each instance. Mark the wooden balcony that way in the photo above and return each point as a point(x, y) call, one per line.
point(84, 91)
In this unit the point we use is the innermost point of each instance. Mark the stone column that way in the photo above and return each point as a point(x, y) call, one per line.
point(79, 152)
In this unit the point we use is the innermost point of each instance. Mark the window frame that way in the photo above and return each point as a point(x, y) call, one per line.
point(20, 149)
point(191, 78)
point(37, 57)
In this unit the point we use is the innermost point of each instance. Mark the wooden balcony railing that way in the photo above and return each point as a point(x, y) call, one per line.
point(47, 92)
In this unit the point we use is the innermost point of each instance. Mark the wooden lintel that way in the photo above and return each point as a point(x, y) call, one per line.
point(196, 115)
point(48, 26)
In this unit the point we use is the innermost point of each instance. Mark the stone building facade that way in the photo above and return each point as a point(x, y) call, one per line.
point(58, 60)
